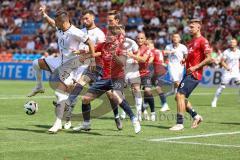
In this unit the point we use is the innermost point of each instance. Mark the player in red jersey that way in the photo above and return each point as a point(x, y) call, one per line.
point(112, 59)
point(159, 71)
point(145, 58)
point(198, 56)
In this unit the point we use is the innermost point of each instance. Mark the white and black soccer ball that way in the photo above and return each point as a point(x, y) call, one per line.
point(31, 107)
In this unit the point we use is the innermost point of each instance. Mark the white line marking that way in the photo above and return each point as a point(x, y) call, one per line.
point(194, 136)
point(24, 97)
point(204, 144)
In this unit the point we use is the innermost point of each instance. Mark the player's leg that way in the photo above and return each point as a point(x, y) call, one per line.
point(225, 80)
point(187, 85)
point(118, 96)
point(114, 105)
point(96, 90)
point(197, 119)
point(162, 95)
point(136, 91)
point(38, 66)
point(61, 95)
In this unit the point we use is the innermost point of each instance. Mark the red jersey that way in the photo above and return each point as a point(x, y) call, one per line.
point(157, 61)
point(144, 66)
point(198, 48)
point(111, 69)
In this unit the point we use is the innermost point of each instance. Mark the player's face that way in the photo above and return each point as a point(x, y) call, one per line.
point(141, 39)
point(59, 23)
point(176, 38)
point(112, 21)
point(88, 20)
point(194, 28)
point(233, 43)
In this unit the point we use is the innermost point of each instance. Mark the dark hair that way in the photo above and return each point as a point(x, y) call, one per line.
point(61, 12)
point(195, 21)
point(88, 12)
point(115, 13)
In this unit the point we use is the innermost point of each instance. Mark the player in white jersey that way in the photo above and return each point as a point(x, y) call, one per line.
point(132, 75)
point(69, 39)
point(230, 62)
point(97, 36)
point(176, 56)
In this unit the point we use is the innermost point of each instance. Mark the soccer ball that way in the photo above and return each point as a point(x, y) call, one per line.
point(31, 107)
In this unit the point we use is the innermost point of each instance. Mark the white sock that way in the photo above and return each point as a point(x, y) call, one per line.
point(138, 102)
point(38, 73)
point(61, 100)
point(218, 92)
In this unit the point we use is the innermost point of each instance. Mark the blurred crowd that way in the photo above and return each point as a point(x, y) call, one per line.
point(25, 36)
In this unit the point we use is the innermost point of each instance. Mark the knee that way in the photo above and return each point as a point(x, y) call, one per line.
point(179, 96)
point(86, 99)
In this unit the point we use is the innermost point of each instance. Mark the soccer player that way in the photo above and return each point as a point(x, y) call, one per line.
point(113, 72)
point(145, 58)
point(176, 56)
point(132, 75)
point(69, 39)
point(97, 36)
point(158, 71)
point(230, 62)
point(198, 56)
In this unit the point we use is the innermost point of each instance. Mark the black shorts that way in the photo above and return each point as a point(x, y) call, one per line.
point(187, 85)
point(157, 81)
point(146, 82)
point(103, 85)
point(97, 74)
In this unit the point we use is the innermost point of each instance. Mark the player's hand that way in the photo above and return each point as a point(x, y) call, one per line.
point(42, 9)
point(191, 70)
point(82, 58)
point(183, 62)
point(130, 54)
point(229, 70)
point(92, 66)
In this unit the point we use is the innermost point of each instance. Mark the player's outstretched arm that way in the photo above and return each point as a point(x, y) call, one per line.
point(50, 21)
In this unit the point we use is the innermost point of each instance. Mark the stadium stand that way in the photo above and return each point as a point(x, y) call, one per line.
point(20, 22)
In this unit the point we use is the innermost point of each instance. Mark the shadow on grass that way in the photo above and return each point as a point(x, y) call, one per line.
point(27, 130)
point(231, 123)
point(156, 126)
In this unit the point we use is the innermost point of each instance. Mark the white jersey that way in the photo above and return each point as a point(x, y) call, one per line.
point(132, 74)
point(232, 60)
point(96, 35)
point(176, 58)
point(130, 46)
point(69, 41)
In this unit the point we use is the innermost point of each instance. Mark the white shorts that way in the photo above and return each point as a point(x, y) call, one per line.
point(227, 77)
point(176, 73)
point(68, 70)
point(132, 74)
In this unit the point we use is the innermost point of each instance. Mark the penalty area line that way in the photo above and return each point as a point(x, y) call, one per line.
point(193, 136)
point(203, 144)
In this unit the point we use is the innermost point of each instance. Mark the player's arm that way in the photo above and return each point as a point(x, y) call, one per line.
point(121, 60)
point(50, 21)
point(138, 56)
point(224, 64)
point(205, 62)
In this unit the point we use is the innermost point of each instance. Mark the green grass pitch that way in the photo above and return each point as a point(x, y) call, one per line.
point(24, 137)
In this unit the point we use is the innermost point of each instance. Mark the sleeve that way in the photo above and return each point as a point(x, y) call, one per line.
point(185, 50)
point(134, 47)
point(101, 37)
point(80, 35)
point(206, 47)
point(224, 55)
